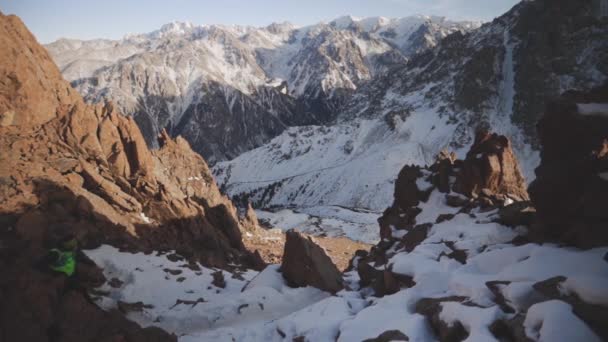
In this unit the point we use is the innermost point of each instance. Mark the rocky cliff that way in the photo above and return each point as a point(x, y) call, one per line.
point(68, 167)
point(571, 187)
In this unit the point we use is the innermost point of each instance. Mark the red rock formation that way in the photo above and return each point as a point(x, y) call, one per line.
point(491, 166)
point(66, 165)
point(570, 192)
point(32, 90)
point(99, 161)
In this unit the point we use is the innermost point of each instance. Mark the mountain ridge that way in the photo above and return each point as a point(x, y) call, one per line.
point(494, 77)
point(280, 74)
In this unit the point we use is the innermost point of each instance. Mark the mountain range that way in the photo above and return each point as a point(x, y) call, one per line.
point(228, 89)
point(329, 113)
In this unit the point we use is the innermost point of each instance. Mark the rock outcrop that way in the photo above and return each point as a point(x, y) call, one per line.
point(306, 263)
point(32, 89)
point(468, 213)
point(491, 167)
point(489, 178)
point(70, 167)
point(570, 191)
point(89, 165)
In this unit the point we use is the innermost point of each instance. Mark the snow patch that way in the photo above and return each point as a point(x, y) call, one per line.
point(554, 321)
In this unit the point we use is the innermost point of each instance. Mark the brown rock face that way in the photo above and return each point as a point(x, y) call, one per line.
point(305, 263)
point(491, 166)
point(89, 166)
point(85, 169)
point(32, 90)
point(570, 192)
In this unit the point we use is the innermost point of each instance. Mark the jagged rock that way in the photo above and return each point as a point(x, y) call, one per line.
point(443, 168)
point(490, 175)
point(406, 190)
point(305, 263)
point(491, 166)
point(402, 214)
point(570, 191)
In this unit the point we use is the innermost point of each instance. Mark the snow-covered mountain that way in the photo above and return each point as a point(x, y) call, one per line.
point(499, 75)
point(228, 89)
point(347, 102)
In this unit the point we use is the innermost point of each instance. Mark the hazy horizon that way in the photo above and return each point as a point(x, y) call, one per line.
point(114, 19)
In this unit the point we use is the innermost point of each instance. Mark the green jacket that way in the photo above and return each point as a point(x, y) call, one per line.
point(65, 261)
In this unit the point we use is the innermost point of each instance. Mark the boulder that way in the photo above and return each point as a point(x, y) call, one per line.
point(306, 264)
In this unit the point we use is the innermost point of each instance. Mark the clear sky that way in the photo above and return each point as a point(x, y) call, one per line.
point(87, 19)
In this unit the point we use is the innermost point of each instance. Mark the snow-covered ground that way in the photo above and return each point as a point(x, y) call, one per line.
point(332, 221)
point(189, 305)
point(261, 307)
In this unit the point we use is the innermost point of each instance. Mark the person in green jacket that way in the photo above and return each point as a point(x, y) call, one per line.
point(63, 258)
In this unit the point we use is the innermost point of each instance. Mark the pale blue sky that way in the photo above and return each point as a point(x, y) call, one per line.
point(86, 19)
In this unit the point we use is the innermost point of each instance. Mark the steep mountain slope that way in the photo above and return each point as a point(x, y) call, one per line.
point(84, 172)
point(457, 259)
point(230, 89)
point(497, 76)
